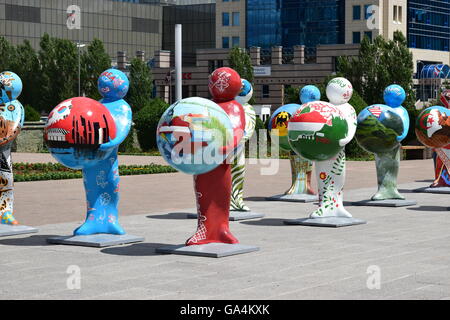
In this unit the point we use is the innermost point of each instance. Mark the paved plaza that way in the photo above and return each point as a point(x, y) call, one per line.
point(406, 248)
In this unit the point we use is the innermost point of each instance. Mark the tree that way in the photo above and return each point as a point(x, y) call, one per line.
point(292, 95)
point(241, 62)
point(379, 64)
point(94, 62)
point(59, 62)
point(141, 85)
point(7, 54)
point(27, 66)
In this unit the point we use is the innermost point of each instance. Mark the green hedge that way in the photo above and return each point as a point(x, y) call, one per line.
point(31, 114)
point(146, 122)
point(56, 171)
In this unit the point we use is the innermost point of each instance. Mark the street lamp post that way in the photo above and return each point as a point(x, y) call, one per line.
point(79, 46)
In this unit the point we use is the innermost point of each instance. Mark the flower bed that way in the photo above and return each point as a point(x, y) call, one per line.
point(55, 171)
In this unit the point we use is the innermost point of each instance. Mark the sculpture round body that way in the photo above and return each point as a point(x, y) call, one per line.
point(315, 130)
point(278, 124)
point(433, 127)
point(194, 135)
point(378, 128)
point(76, 128)
point(236, 113)
point(224, 84)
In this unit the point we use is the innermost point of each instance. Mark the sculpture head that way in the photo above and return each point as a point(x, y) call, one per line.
point(246, 92)
point(10, 86)
point(309, 93)
point(224, 84)
point(394, 95)
point(113, 84)
point(339, 91)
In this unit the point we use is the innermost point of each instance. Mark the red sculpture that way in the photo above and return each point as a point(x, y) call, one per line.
point(213, 189)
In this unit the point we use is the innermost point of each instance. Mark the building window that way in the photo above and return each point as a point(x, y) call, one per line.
point(144, 25)
point(235, 16)
point(367, 13)
point(356, 12)
point(368, 34)
point(395, 17)
point(214, 64)
point(225, 0)
point(225, 42)
point(210, 66)
point(356, 37)
point(225, 19)
point(22, 13)
point(235, 41)
point(265, 91)
point(400, 14)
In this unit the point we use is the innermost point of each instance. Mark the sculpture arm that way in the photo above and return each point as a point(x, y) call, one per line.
point(121, 113)
point(350, 115)
point(405, 119)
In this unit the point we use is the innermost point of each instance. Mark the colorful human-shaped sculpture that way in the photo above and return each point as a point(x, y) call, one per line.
point(442, 154)
point(380, 130)
point(301, 168)
point(433, 130)
point(12, 115)
point(199, 137)
point(238, 165)
point(319, 132)
point(82, 133)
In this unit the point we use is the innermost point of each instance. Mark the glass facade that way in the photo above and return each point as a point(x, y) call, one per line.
point(292, 22)
point(199, 23)
point(428, 24)
point(121, 26)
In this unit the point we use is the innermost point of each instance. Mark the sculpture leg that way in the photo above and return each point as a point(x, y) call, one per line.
point(330, 179)
point(6, 188)
point(237, 182)
point(442, 162)
point(101, 183)
point(213, 192)
point(301, 170)
point(387, 170)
